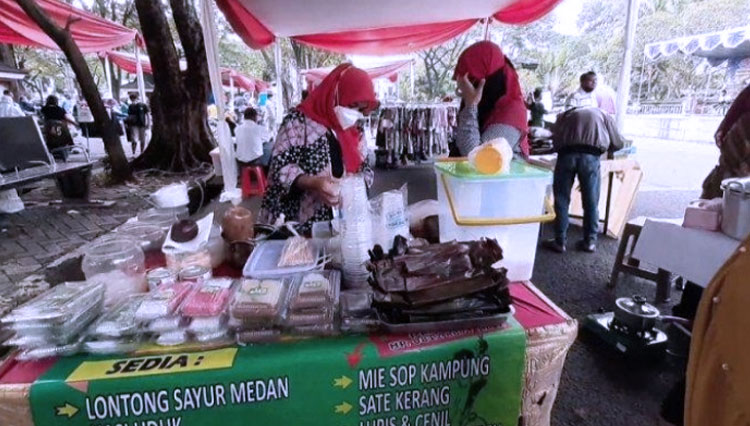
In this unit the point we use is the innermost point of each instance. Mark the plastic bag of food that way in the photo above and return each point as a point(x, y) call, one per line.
point(163, 302)
point(209, 299)
point(492, 157)
point(297, 251)
point(390, 217)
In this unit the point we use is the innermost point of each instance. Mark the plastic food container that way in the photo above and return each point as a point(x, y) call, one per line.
point(118, 264)
point(204, 325)
point(259, 301)
point(208, 299)
point(258, 336)
point(120, 320)
point(161, 218)
point(163, 302)
point(315, 290)
point(507, 207)
point(195, 273)
point(111, 346)
point(149, 236)
point(163, 325)
point(264, 261)
point(159, 276)
point(57, 306)
point(172, 338)
point(49, 351)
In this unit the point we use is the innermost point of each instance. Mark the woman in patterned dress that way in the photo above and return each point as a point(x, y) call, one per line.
point(316, 144)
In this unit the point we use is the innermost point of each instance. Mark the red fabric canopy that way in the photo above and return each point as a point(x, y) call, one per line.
point(374, 27)
point(90, 32)
point(127, 62)
point(313, 76)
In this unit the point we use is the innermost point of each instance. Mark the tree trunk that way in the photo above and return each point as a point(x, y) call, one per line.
point(180, 139)
point(7, 57)
point(63, 38)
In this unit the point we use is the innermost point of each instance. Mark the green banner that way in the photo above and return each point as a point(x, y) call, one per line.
point(463, 378)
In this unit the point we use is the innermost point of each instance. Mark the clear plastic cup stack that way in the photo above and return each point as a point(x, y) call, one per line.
point(356, 230)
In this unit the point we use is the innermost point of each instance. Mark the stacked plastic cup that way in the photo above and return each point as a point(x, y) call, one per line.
point(356, 231)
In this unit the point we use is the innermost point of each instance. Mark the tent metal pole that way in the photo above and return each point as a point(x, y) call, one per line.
point(231, 92)
point(623, 88)
point(139, 74)
point(108, 72)
point(279, 88)
point(640, 81)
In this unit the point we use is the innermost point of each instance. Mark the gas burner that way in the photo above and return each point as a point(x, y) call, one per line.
point(644, 335)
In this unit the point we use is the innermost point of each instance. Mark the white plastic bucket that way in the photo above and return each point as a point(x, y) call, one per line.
point(508, 208)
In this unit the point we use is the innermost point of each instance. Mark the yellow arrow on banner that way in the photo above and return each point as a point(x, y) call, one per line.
point(343, 382)
point(66, 410)
point(343, 408)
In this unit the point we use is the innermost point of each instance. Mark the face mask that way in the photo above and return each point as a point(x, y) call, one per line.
point(347, 117)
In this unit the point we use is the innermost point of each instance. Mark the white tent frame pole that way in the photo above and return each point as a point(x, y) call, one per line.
point(226, 150)
point(623, 88)
point(640, 81)
point(139, 74)
point(279, 88)
point(108, 72)
point(231, 92)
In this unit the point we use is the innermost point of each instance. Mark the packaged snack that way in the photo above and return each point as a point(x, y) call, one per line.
point(162, 325)
point(58, 305)
point(111, 346)
point(258, 336)
point(297, 251)
point(120, 321)
point(209, 299)
point(315, 290)
point(202, 325)
point(212, 336)
point(172, 338)
point(39, 333)
point(302, 318)
point(49, 351)
point(258, 300)
point(160, 276)
point(163, 302)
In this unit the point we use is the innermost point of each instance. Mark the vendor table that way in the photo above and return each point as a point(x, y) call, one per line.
point(694, 254)
point(466, 377)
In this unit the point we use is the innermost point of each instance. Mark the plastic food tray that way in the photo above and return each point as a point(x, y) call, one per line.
point(120, 320)
point(447, 325)
point(208, 299)
point(115, 346)
point(301, 300)
point(56, 306)
point(250, 304)
point(263, 262)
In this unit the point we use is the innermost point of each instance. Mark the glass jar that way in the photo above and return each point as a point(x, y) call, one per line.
point(237, 224)
point(118, 263)
point(150, 237)
point(158, 217)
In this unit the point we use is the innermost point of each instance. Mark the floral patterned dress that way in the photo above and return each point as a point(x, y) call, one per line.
point(303, 147)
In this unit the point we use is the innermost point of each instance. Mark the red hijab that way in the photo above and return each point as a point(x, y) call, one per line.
point(483, 59)
point(344, 86)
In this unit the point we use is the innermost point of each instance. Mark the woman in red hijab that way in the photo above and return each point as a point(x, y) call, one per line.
point(316, 144)
point(493, 104)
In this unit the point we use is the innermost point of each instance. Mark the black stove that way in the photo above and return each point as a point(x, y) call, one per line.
point(639, 344)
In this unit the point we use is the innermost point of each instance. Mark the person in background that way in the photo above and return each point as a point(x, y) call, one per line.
point(492, 101)
point(249, 140)
point(8, 108)
point(52, 111)
point(581, 136)
point(56, 133)
point(585, 95)
point(537, 109)
point(733, 139)
point(318, 142)
point(137, 121)
point(606, 98)
point(26, 106)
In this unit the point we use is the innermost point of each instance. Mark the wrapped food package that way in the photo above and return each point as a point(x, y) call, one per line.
point(172, 338)
point(209, 299)
point(258, 300)
point(258, 336)
point(165, 324)
point(297, 251)
point(203, 325)
point(315, 290)
point(105, 346)
point(49, 351)
point(163, 302)
point(120, 320)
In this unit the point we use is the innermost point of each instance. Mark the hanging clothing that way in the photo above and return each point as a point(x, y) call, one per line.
point(485, 60)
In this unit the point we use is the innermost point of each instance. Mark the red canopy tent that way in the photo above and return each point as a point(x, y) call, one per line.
point(373, 27)
point(314, 76)
point(90, 32)
point(229, 76)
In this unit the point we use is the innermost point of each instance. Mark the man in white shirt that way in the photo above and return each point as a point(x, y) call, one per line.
point(249, 140)
point(584, 96)
point(8, 108)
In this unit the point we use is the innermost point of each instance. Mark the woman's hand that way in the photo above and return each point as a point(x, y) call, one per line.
point(470, 94)
point(325, 188)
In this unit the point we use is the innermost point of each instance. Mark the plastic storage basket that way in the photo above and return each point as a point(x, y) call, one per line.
point(508, 207)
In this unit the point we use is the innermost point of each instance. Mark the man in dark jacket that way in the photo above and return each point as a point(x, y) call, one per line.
point(580, 137)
